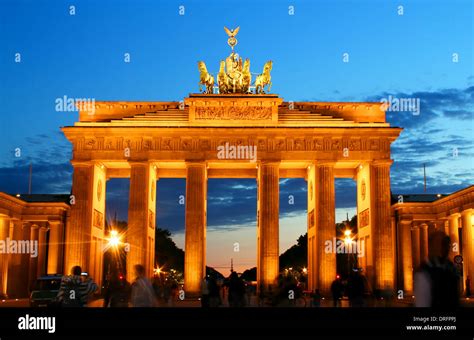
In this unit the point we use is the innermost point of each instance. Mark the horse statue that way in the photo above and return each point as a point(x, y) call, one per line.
point(264, 79)
point(205, 78)
point(246, 76)
point(222, 79)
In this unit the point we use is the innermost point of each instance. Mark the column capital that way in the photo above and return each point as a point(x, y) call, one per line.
point(55, 222)
point(4, 217)
point(196, 164)
point(86, 164)
point(269, 162)
point(34, 226)
point(78, 164)
point(467, 211)
point(382, 162)
point(454, 215)
point(139, 163)
point(325, 163)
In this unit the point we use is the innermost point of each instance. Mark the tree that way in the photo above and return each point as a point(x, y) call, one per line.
point(167, 254)
point(297, 255)
point(250, 274)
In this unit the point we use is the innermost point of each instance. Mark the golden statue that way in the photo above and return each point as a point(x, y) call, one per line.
point(234, 76)
point(205, 78)
point(233, 66)
point(222, 78)
point(246, 76)
point(264, 79)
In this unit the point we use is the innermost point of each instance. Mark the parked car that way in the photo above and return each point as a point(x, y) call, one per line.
point(45, 291)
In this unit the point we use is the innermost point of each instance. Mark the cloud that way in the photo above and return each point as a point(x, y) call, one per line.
point(444, 103)
point(440, 137)
point(47, 178)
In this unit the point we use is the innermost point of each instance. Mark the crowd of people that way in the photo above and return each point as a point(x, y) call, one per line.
point(436, 285)
point(77, 289)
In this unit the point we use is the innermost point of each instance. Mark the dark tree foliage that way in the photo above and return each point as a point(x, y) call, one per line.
point(250, 274)
point(297, 255)
point(168, 255)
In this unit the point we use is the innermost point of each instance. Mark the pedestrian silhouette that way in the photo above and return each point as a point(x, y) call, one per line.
point(143, 294)
point(436, 282)
point(236, 291)
point(336, 289)
point(75, 289)
point(117, 290)
point(356, 288)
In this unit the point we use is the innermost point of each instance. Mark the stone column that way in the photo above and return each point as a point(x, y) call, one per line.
point(395, 262)
point(4, 234)
point(312, 235)
point(41, 269)
point(78, 233)
point(33, 263)
point(415, 242)
point(268, 223)
point(14, 285)
point(141, 218)
point(445, 226)
point(55, 247)
point(325, 225)
point(467, 248)
point(195, 238)
point(454, 235)
point(384, 251)
point(26, 258)
point(85, 230)
point(406, 255)
point(433, 226)
point(423, 242)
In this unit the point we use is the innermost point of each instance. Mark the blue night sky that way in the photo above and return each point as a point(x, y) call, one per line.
point(82, 55)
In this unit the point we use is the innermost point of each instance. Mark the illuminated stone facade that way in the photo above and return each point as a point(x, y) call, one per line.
point(40, 218)
point(146, 141)
point(417, 216)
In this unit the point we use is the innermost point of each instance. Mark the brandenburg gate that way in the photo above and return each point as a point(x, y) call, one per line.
point(317, 141)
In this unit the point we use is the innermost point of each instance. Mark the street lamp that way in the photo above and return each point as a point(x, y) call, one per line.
point(114, 239)
point(158, 271)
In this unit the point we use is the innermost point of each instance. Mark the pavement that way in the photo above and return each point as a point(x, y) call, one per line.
point(344, 303)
